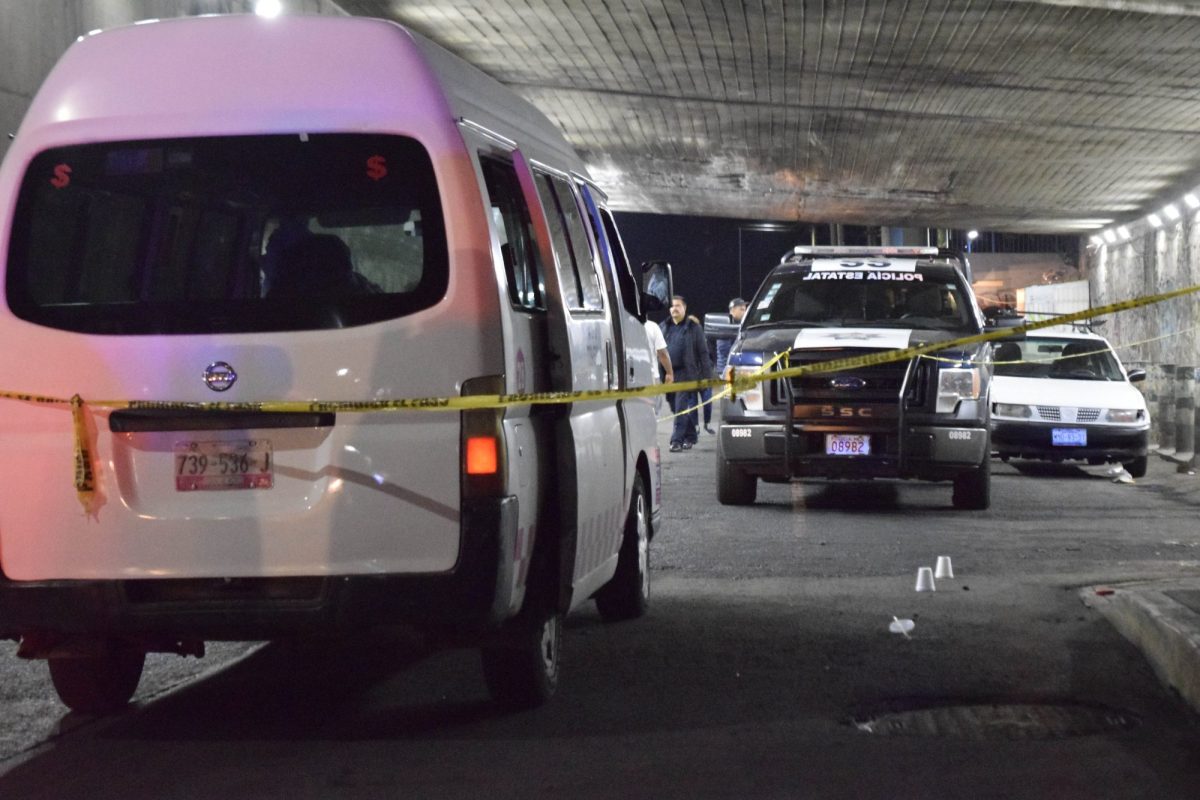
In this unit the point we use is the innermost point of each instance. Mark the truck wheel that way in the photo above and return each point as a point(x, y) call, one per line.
point(734, 487)
point(628, 593)
point(1137, 467)
point(973, 490)
point(97, 684)
point(521, 671)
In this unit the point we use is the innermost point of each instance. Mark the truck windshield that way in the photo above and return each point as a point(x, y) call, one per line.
point(227, 235)
point(862, 298)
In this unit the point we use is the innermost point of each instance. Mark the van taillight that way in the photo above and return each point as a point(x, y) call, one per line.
point(481, 455)
point(484, 458)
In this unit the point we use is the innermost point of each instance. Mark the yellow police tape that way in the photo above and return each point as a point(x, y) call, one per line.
point(85, 484)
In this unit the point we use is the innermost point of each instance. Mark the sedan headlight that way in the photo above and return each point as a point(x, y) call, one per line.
point(1124, 415)
point(1011, 410)
point(752, 398)
point(954, 384)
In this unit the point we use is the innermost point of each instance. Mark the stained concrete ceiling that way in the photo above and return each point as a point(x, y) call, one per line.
point(1023, 115)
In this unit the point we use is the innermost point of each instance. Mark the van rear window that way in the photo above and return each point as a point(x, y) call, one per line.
point(227, 235)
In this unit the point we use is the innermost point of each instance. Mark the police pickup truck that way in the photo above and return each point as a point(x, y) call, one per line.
point(920, 418)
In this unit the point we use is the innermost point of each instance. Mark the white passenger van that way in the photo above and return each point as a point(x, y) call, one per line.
point(310, 209)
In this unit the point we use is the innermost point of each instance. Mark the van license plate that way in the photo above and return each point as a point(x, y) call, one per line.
point(239, 464)
point(1068, 437)
point(847, 444)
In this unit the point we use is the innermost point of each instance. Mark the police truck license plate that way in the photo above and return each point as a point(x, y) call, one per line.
point(240, 464)
point(847, 444)
point(1069, 437)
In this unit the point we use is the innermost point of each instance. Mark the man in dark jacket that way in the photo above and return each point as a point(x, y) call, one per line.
point(690, 362)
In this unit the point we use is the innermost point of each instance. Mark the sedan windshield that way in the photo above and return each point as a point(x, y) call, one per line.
point(1069, 359)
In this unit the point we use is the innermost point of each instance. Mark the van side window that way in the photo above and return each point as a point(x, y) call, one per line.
point(576, 269)
point(581, 248)
point(630, 297)
point(565, 267)
point(510, 217)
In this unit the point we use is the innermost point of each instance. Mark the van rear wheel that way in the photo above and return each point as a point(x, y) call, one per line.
point(521, 670)
point(98, 684)
point(627, 595)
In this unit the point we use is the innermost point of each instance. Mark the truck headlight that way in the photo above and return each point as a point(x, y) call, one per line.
point(1123, 415)
point(1011, 410)
point(751, 398)
point(954, 384)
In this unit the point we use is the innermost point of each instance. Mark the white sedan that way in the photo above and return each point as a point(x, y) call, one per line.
point(1066, 396)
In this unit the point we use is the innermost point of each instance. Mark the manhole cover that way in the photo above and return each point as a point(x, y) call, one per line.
point(999, 721)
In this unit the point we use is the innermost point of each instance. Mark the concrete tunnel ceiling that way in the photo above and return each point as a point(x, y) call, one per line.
point(1017, 115)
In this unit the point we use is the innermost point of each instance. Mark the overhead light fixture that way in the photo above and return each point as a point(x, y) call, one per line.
point(972, 235)
point(1123, 233)
point(268, 8)
point(1170, 211)
point(1191, 200)
point(1110, 236)
point(1155, 220)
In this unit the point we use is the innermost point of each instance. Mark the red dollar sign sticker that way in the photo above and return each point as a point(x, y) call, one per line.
point(62, 176)
point(376, 168)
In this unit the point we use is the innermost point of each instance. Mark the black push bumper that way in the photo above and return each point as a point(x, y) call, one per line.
point(471, 596)
point(927, 452)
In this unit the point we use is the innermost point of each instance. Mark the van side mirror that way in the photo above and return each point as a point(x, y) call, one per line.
point(1136, 375)
point(657, 285)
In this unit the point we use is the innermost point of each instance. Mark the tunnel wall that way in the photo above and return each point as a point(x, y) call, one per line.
point(1160, 338)
point(1151, 262)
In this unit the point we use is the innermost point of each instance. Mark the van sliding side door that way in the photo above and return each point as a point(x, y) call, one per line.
point(589, 447)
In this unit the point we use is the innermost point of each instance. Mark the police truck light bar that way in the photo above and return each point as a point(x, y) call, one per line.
point(842, 250)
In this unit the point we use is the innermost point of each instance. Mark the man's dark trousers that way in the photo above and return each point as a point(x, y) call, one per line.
point(684, 429)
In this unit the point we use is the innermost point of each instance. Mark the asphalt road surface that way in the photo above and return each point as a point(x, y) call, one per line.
point(765, 669)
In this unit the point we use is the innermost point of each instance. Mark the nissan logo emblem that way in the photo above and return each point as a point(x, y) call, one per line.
point(849, 383)
point(219, 376)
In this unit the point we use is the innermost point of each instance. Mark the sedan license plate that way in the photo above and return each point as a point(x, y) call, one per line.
point(847, 444)
point(1068, 437)
point(239, 464)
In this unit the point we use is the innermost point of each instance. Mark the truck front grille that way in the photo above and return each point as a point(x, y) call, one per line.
point(878, 383)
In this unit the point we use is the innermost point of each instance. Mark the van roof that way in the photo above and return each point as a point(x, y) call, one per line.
point(244, 74)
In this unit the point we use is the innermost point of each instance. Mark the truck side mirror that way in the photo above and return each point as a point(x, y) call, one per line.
point(1136, 375)
point(657, 285)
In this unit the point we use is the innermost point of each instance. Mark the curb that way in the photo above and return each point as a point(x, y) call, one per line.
point(1166, 631)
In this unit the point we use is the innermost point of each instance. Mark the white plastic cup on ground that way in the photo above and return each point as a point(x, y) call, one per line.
point(944, 568)
point(925, 580)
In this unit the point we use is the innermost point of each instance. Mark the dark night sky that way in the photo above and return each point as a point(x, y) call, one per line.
point(703, 252)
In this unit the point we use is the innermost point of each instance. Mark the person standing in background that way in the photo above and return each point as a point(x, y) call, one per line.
point(659, 345)
point(737, 310)
point(706, 393)
point(689, 362)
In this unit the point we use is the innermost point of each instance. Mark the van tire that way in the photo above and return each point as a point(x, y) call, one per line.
point(734, 487)
point(521, 670)
point(973, 490)
point(98, 684)
point(1137, 467)
point(627, 595)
